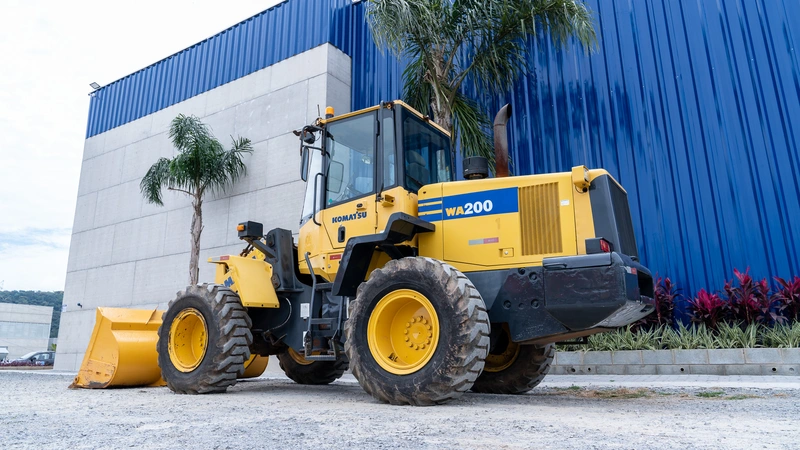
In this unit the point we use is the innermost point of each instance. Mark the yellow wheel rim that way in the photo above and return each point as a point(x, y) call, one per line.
point(497, 362)
point(188, 340)
point(403, 331)
point(298, 358)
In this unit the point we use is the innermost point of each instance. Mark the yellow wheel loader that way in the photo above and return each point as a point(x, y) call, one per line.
point(424, 286)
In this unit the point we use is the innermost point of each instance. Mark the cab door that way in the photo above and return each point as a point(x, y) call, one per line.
point(349, 199)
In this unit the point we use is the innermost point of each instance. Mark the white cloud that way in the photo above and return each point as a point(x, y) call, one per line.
point(51, 51)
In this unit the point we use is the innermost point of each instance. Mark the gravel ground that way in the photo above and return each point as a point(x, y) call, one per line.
point(37, 410)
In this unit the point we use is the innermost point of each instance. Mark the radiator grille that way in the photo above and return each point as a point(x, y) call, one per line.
point(540, 219)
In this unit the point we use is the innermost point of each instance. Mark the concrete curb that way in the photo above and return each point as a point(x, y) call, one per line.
point(738, 361)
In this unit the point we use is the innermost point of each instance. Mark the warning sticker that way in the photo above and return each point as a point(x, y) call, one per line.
point(492, 240)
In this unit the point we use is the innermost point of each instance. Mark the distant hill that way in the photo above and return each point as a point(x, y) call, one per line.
point(38, 298)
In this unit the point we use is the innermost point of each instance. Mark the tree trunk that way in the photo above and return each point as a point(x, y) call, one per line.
point(197, 229)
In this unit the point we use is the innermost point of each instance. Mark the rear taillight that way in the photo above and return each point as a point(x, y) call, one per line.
point(598, 245)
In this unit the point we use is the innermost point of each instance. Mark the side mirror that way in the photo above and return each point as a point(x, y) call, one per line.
point(304, 163)
point(335, 176)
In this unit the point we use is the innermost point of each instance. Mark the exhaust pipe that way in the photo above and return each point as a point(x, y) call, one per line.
point(501, 141)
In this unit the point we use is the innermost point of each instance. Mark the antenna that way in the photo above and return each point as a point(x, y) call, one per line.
point(319, 111)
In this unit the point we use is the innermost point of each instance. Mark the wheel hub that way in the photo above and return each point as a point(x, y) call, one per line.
point(403, 331)
point(188, 340)
point(503, 354)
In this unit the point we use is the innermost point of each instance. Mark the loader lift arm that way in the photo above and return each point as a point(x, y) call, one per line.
point(357, 255)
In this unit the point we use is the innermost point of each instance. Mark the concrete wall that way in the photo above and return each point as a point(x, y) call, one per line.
point(127, 253)
point(24, 328)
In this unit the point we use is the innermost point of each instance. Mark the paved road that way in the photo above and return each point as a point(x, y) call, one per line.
point(632, 412)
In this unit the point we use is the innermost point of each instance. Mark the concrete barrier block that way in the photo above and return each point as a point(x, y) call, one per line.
point(627, 357)
point(763, 356)
point(706, 369)
point(657, 357)
point(558, 370)
point(726, 356)
point(118, 204)
point(101, 172)
point(642, 369)
point(139, 238)
point(569, 358)
point(593, 357)
point(781, 369)
point(612, 369)
point(84, 212)
point(790, 355)
point(672, 369)
point(690, 356)
point(743, 369)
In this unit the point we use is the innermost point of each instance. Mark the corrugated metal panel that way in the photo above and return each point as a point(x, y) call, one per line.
point(693, 105)
point(276, 34)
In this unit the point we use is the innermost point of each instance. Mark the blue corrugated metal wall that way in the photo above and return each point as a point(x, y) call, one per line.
point(693, 105)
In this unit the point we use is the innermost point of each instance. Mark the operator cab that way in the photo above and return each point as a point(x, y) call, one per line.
point(362, 167)
point(359, 154)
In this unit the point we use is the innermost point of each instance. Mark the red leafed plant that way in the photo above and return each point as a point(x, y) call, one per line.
point(665, 295)
point(750, 302)
point(707, 308)
point(788, 296)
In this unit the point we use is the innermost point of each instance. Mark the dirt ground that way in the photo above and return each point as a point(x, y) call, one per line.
point(38, 411)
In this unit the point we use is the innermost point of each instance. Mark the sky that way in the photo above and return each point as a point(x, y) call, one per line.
point(49, 53)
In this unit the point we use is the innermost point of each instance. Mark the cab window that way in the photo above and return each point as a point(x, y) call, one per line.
point(427, 153)
point(351, 171)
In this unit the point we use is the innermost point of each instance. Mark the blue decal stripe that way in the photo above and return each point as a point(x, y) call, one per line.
point(430, 207)
point(477, 204)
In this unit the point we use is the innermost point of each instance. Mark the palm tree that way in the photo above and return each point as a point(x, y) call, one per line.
point(483, 42)
point(202, 165)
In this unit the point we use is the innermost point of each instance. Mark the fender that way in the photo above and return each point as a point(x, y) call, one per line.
point(358, 252)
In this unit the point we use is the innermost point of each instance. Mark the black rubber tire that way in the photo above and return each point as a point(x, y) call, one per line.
point(229, 340)
point(318, 372)
point(463, 336)
point(525, 373)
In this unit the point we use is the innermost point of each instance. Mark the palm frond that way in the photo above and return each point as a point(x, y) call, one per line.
point(156, 177)
point(470, 127)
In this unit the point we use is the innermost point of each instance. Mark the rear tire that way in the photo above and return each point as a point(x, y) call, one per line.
point(221, 332)
point(512, 368)
point(301, 371)
point(409, 372)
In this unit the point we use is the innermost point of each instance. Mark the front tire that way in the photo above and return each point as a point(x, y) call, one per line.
point(417, 333)
point(204, 340)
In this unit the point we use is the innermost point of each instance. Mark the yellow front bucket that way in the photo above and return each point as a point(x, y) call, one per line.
point(122, 350)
